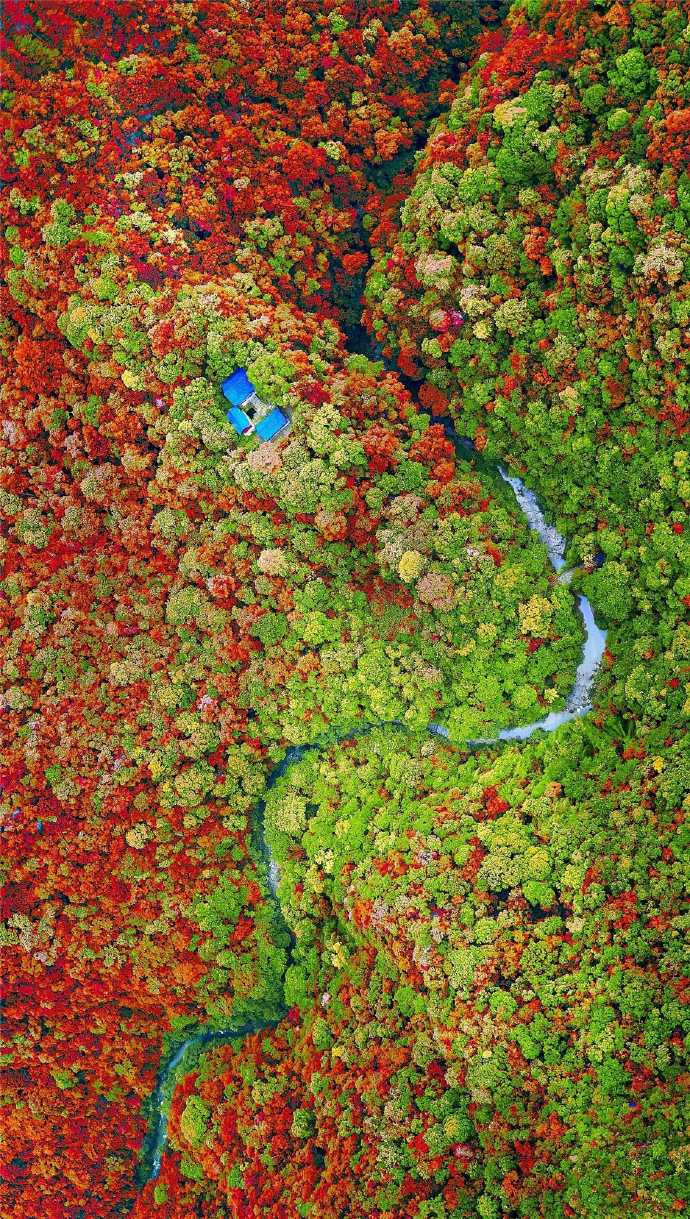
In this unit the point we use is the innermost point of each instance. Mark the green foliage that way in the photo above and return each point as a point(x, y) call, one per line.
point(483, 952)
point(194, 1121)
point(270, 628)
point(64, 226)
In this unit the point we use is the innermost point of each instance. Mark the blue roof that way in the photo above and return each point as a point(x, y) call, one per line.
point(238, 419)
point(238, 387)
point(270, 424)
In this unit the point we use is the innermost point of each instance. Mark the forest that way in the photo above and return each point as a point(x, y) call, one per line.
point(261, 793)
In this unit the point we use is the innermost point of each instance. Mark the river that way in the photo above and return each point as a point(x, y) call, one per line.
point(578, 703)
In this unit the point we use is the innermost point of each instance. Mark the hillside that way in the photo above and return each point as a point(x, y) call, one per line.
point(313, 755)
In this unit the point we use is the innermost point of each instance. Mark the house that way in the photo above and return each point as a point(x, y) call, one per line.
point(248, 414)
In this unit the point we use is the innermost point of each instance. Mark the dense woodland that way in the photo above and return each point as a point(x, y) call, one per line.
point(476, 968)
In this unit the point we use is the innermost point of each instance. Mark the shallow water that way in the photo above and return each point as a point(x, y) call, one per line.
point(548, 534)
point(578, 701)
point(158, 1097)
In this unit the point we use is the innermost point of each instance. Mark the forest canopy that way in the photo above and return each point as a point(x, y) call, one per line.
point(429, 974)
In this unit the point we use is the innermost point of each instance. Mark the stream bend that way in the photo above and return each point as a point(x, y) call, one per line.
point(577, 704)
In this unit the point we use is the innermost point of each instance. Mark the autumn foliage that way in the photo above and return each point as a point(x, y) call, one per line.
point(474, 969)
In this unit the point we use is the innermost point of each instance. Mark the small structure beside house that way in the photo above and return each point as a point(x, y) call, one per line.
point(248, 414)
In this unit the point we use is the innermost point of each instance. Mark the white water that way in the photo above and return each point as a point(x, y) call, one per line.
point(578, 702)
point(273, 874)
point(548, 534)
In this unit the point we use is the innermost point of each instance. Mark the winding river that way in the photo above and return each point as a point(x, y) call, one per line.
point(577, 704)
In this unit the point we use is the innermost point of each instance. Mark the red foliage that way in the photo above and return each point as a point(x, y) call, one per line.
point(380, 447)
